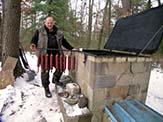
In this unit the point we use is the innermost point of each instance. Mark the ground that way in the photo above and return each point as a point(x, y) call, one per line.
point(25, 101)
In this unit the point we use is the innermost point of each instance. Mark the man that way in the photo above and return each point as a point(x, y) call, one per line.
point(49, 37)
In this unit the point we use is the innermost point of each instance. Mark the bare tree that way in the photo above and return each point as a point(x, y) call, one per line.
point(76, 5)
point(109, 18)
point(96, 24)
point(11, 27)
point(126, 4)
point(103, 24)
point(83, 14)
point(91, 3)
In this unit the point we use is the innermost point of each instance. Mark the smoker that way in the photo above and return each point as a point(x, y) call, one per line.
point(122, 69)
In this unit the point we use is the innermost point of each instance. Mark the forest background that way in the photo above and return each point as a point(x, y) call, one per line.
point(85, 23)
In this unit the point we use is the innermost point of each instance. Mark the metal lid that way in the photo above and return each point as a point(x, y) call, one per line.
point(139, 33)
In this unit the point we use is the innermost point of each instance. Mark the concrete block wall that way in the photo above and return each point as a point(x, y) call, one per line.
point(107, 79)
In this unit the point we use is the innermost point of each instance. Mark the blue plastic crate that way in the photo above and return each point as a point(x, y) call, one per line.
point(132, 111)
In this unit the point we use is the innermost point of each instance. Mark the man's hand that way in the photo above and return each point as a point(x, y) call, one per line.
point(33, 47)
point(75, 49)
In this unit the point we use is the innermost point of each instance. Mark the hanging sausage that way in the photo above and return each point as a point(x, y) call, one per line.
point(61, 62)
point(69, 62)
point(46, 61)
point(64, 62)
point(73, 63)
point(57, 61)
point(51, 61)
point(42, 61)
point(39, 60)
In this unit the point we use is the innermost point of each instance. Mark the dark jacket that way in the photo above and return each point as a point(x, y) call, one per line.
point(45, 39)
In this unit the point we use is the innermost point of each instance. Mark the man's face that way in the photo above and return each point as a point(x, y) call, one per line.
point(49, 23)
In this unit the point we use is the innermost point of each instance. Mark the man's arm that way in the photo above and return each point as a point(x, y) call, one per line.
point(34, 41)
point(66, 44)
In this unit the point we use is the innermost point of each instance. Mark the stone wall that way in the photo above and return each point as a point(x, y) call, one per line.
point(107, 79)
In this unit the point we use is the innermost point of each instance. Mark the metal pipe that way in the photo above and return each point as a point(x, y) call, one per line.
point(53, 49)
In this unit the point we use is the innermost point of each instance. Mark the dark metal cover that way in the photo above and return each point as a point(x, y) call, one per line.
point(139, 33)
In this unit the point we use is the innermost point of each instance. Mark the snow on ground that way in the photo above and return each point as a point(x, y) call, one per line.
point(26, 101)
point(155, 90)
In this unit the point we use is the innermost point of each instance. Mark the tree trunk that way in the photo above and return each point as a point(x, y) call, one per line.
point(11, 28)
point(126, 4)
point(91, 2)
point(103, 24)
point(82, 35)
point(109, 18)
point(76, 30)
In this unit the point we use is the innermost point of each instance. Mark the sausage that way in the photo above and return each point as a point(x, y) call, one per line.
point(46, 61)
point(57, 61)
point(64, 62)
point(61, 62)
point(73, 63)
point(69, 62)
point(51, 61)
point(42, 61)
point(39, 60)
